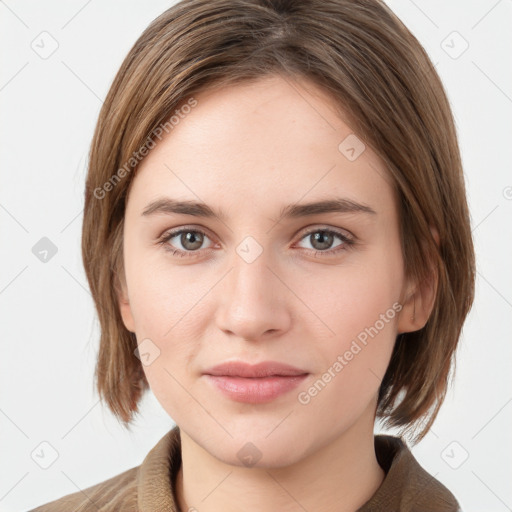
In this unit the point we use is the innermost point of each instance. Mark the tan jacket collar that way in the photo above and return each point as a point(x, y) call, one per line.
point(407, 487)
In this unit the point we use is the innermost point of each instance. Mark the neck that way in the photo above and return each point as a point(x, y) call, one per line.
point(341, 476)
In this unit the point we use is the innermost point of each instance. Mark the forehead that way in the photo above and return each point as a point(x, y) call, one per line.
point(264, 143)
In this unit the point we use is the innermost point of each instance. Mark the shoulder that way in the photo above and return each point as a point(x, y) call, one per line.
point(147, 486)
point(407, 486)
point(116, 493)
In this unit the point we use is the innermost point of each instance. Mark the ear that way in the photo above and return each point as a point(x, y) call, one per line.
point(418, 299)
point(124, 303)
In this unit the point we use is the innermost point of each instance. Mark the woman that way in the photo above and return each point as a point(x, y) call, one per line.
point(277, 241)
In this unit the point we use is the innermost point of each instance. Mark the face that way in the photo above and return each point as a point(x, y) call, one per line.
point(263, 278)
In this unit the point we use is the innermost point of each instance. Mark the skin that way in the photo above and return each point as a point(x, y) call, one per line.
point(251, 149)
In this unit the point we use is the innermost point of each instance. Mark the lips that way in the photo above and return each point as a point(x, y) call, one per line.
point(254, 384)
point(264, 369)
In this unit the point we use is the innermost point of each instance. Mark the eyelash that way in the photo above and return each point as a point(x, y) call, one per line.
point(347, 242)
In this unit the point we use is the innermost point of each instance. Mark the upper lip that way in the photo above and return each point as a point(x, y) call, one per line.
point(264, 369)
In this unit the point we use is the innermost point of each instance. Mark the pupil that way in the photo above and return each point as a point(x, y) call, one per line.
point(193, 238)
point(324, 238)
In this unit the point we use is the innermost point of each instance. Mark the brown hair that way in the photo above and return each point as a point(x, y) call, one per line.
point(384, 83)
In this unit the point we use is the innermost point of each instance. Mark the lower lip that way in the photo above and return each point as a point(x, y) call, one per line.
point(255, 390)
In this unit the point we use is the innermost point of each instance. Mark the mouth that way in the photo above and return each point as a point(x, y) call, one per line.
point(259, 383)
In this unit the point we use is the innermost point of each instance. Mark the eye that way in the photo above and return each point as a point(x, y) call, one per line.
point(190, 240)
point(322, 241)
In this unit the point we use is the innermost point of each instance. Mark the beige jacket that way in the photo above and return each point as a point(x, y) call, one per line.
point(150, 487)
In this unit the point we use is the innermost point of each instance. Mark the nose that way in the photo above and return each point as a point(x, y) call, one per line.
point(253, 302)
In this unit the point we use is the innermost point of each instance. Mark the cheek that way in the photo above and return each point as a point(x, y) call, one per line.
point(168, 311)
point(364, 297)
point(161, 295)
point(162, 306)
point(354, 295)
point(362, 309)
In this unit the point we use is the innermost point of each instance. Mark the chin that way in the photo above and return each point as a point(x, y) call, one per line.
point(256, 444)
point(263, 455)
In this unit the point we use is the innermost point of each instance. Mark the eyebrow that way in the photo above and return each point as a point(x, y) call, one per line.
point(170, 206)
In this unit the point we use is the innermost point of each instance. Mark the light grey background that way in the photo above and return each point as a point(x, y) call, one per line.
point(49, 335)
